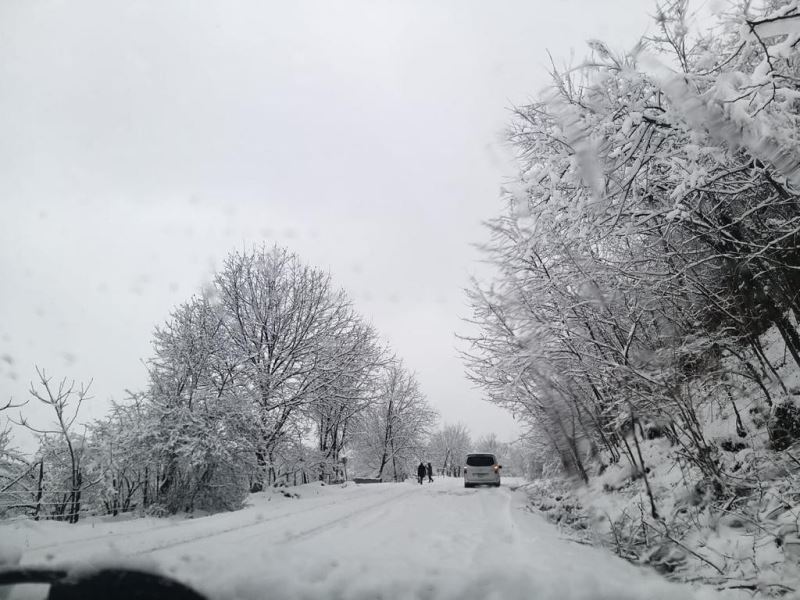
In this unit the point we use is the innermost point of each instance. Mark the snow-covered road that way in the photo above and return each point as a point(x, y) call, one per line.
point(369, 541)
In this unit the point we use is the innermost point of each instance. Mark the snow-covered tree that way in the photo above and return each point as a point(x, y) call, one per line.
point(198, 423)
point(262, 378)
point(392, 431)
point(18, 473)
point(491, 444)
point(62, 448)
point(650, 238)
point(357, 359)
point(282, 323)
point(448, 447)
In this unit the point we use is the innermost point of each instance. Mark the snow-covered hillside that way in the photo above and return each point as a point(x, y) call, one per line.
point(744, 538)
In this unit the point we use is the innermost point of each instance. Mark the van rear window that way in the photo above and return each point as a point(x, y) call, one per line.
point(480, 460)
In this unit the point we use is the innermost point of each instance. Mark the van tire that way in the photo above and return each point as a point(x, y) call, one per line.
point(467, 485)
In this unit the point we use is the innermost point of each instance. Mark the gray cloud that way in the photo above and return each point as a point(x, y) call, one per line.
point(142, 141)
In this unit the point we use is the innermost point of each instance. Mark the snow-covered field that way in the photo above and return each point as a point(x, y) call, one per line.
point(358, 541)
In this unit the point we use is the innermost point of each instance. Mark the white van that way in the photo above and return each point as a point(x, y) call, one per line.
point(481, 469)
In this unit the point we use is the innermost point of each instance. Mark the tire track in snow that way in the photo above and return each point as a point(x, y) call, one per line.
point(290, 537)
point(110, 534)
point(118, 538)
point(362, 511)
point(490, 533)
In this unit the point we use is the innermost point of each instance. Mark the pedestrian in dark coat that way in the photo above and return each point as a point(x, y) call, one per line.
point(421, 470)
point(429, 469)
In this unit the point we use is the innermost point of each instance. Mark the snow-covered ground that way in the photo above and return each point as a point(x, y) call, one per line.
point(359, 541)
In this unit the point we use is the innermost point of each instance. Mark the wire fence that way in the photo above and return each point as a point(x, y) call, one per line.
point(55, 504)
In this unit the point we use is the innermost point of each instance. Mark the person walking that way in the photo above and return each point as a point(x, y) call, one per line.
point(429, 469)
point(421, 470)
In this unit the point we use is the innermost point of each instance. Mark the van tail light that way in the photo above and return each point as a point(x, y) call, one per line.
point(496, 468)
point(465, 470)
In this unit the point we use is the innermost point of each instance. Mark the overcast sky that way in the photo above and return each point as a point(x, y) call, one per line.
point(142, 141)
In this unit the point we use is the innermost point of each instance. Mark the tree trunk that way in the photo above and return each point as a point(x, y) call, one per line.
point(145, 499)
point(261, 465)
point(75, 504)
point(653, 510)
point(39, 491)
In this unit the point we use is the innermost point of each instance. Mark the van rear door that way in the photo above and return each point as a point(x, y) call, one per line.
point(480, 466)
